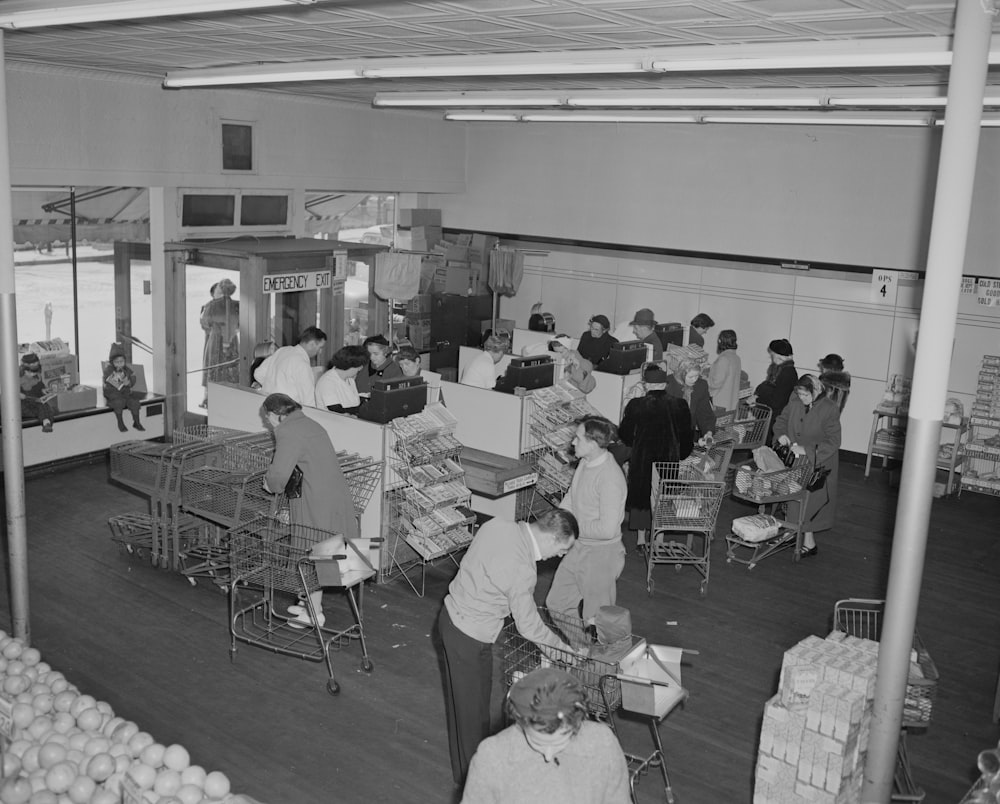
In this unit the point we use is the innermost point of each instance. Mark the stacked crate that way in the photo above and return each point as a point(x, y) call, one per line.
point(981, 470)
point(815, 730)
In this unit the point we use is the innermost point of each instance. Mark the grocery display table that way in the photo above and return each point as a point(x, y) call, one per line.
point(887, 441)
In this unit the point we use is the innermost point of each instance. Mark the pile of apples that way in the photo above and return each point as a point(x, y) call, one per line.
point(68, 748)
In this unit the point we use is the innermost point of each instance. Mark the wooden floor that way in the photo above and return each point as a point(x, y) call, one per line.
point(158, 651)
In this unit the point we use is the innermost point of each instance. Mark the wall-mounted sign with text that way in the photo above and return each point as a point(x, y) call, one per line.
point(988, 292)
point(304, 280)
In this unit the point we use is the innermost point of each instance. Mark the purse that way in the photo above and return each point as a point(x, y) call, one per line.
point(784, 452)
point(293, 488)
point(817, 479)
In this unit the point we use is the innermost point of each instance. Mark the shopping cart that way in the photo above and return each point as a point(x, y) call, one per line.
point(772, 492)
point(646, 682)
point(272, 564)
point(746, 428)
point(685, 508)
point(862, 618)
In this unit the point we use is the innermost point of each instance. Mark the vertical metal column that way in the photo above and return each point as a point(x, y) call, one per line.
point(939, 307)
point(10, 389)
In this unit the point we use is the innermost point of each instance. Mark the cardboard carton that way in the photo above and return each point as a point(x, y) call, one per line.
point(409, 218)
point(79, 398)
point(59, 372)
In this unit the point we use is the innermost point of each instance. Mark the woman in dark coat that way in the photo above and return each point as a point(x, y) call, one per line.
point(687, 384)
point(326, 501)
point(778, 382)
point(220, 319)
point(810, 425)
point(595, 344)
point(657, 427)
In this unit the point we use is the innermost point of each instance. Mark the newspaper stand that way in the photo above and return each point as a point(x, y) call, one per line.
point(273, 563)
point(636, 684)
point(686, 506)
point(862, 618)
point(771, 491)
point(746, 428)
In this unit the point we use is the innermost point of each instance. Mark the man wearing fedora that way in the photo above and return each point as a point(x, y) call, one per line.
point(643, 324)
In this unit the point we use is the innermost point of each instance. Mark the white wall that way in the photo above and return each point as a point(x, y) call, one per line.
point(82, 128)
point(858, 196)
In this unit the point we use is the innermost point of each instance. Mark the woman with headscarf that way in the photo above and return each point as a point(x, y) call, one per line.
point(687, 384)
point(220, 319)
point(552, 753)
point(657, 427)
point(810, 425)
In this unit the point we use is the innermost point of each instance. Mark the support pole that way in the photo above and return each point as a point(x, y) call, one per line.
point(939, 308)
point(10, 390)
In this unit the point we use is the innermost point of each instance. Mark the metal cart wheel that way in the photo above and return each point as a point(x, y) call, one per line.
point(751, 565)
point(192, 581)
point(333, 687)
point(649, 587)
point(677, 568)
point(367, 665)
point(704, 588)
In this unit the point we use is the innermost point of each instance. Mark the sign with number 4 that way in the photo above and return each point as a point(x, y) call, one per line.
point(885, 285)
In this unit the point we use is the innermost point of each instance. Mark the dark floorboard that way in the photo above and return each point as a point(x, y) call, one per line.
point(158, 650)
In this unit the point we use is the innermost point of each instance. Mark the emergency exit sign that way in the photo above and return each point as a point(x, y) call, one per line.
point(304, 280)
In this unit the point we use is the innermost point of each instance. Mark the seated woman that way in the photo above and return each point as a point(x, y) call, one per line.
point(552, 752)
point(481, 371)
point(336, 389)
point(687, 384)
point(595, 343)
point(810, 425)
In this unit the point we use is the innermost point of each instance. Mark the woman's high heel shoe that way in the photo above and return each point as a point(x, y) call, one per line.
point(808, 552)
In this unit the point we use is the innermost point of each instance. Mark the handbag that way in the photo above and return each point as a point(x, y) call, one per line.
point(817, 479)
point(293, 488)
point(784, 452)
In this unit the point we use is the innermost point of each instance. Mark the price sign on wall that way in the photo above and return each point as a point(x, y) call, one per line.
point(988, 292)
point(968, 286)
point(885, 285)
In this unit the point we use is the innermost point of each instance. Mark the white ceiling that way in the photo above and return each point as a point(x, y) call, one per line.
point(365, 29)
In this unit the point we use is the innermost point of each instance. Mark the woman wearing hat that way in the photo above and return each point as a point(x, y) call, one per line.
point(810, 425)
point(220, 319)
point(686, 383)
point(781, 377)
point(552, 754)
point(595, 343)
point(657, 427)
point(836, 381)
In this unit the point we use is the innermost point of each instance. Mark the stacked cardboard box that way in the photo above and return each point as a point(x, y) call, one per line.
point(418, 320)
point(814, 734)
point(419, 229)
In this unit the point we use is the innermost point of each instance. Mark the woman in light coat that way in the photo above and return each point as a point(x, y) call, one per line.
point(724, 375)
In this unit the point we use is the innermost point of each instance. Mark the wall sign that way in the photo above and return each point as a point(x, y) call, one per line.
point(968, 286)
point(305, 280)
point(885, 285)
point(988, 292)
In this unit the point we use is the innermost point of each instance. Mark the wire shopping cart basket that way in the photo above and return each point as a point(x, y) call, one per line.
point(272, 564)
point(685, 507)
point(746, 428)
point(862, 618)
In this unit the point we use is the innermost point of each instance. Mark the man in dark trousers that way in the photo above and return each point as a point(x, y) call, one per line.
point(496, 578)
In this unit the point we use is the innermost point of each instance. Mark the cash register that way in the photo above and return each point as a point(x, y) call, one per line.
point(624, 357)
point(390, 399)
point(528, 373)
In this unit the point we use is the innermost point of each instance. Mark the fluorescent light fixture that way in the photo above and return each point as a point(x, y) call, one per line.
point(475, 99)
point(607, 117)
point(820, 120)
point(483, 117)
point(937, 102)
point(666, 98)
point(569, 63)
point(900, 52)
point(263, 74)
point(66, 14)
point(986, 122)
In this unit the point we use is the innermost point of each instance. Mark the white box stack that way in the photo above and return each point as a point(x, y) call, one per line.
point(814, 734)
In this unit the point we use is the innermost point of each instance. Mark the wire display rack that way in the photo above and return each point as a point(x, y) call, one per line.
point(685, 508)
point(272, 564)
point(862, 618)
point(771, 492)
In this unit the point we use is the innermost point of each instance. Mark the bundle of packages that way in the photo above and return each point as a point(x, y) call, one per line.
point(756, 528)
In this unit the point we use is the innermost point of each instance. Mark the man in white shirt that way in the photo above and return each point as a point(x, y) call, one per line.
point(481, 372)
point(289, 370)
point(336, 389)
point(596, 497)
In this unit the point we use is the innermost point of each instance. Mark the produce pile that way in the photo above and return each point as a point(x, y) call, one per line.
point(63, 747)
